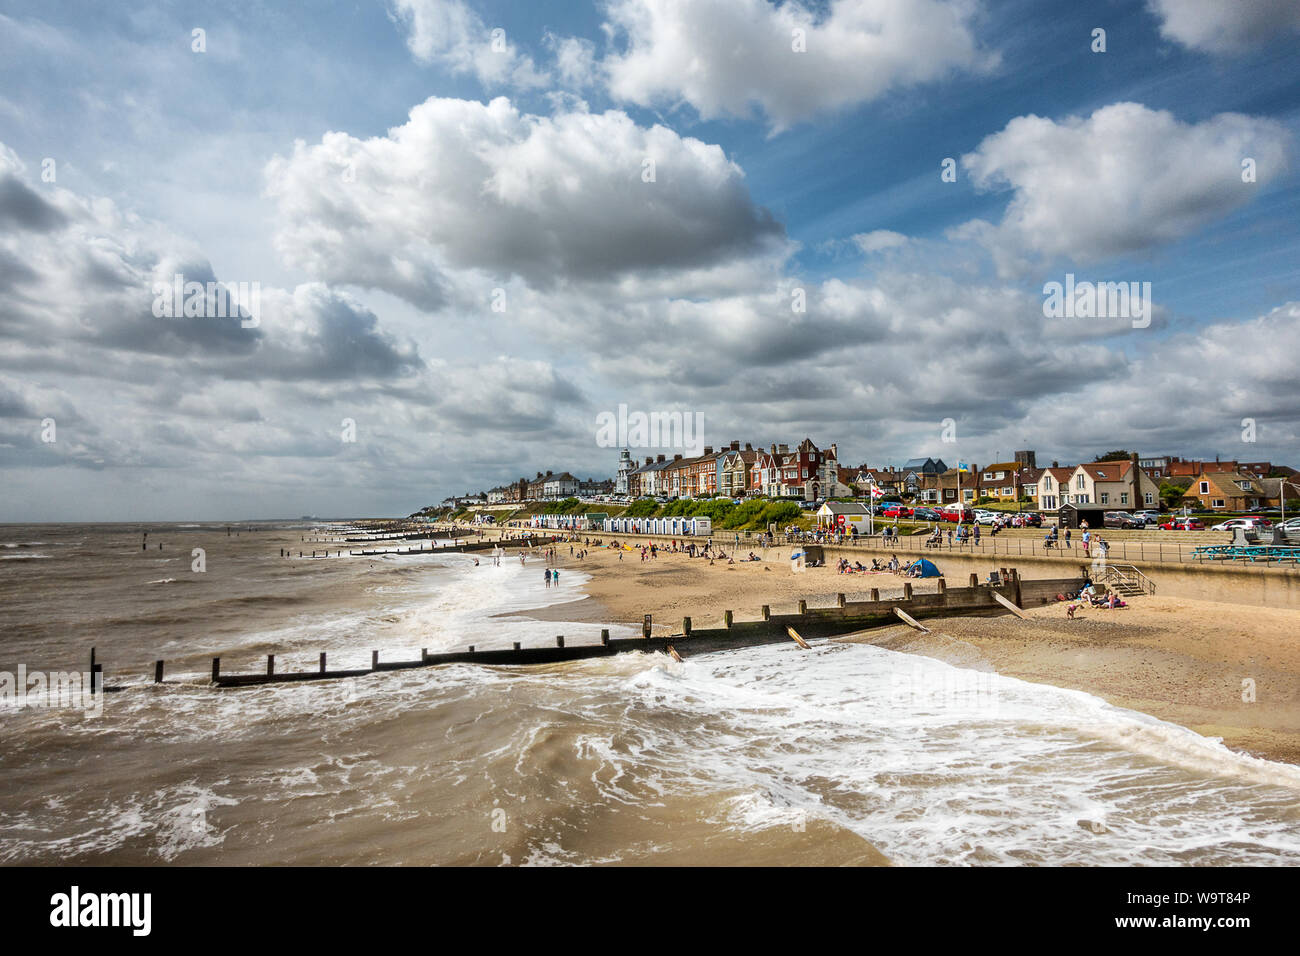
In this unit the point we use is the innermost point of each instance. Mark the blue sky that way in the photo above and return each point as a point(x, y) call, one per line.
point(774, 168)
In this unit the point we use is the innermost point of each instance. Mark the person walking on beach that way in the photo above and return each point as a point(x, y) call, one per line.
point(548, 577)
point(1087, 538)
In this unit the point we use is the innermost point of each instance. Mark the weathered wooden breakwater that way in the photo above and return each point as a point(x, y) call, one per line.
point(843, 617)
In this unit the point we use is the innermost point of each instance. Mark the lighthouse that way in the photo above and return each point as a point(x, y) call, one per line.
point(624, 469)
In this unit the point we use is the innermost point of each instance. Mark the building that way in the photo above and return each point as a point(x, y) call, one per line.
point(1052, 487)
point(1026, 460)
point(925, 466)
point(1113, 485)
point(1000, 481)
point(563, 485)
point(843, 515)
point(1225, 491)
point(625, 466)
point(734, 466)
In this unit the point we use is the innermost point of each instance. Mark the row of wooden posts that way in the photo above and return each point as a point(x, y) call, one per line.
point(1009, 577)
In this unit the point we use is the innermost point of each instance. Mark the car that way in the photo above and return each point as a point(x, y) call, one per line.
point(985, 517)
point(897, 511)
point(1032, 519)
point(926, 514)
point(1119, 519)
point(957, 515)
point(1242, 523)
point(1183, 524)
point(1147, 517)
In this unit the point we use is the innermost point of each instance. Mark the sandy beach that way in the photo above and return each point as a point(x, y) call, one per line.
point(1186, 661)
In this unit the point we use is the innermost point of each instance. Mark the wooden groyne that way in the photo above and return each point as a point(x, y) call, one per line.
point(844, 617)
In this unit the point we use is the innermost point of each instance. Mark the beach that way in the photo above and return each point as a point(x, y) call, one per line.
point(1182, 660)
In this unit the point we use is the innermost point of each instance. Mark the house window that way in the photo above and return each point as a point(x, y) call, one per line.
point(1078, 481)
point(967, 494)
point(1031, 491)
point(1123, 497)
point(1205, 487)
point(1105, 497)
point(1216, 503)
point(1150, 499)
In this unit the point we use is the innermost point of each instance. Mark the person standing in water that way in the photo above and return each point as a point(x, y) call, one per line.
point(547, 575)
point(555, 577)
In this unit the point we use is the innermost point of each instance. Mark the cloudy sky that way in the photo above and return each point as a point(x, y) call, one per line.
point(477, 224)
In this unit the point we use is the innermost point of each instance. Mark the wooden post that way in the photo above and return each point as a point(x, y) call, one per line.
point(93, 682)
point(517, 645)
point(157, 672)
point(374, 659)
point(726, 619)
point(686, 627)
point(839, 599)
point(645, 627)
point(559, 640)
point(943, 586)
point(803, 607)
point(974, 580)
point(875, 594)
point(767, 612)
point(471, 648)
point(322, 662)
point(216, 668)
point(907, 591)
point(270, 664)
point(604, 636)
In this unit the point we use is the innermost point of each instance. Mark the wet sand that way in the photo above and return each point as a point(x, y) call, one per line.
point(1195, 663)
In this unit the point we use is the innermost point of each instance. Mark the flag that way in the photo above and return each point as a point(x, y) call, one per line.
point(962, 466)
point(876, 492)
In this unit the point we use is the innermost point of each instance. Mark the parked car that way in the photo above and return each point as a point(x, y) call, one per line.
point(1032, 519)
point(1120, 519)
point(1147, 517)
point(1242, 523)
point(926, 514)
point(957, 515)
point(1183, 524)
point(897, 511)
point(985, 517)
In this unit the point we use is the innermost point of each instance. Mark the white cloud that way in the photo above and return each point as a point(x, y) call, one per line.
point(724, 57)
point(449, 33)
point(1123, 180)
point(575, 60)
point(1225, 26)
point(469, 186)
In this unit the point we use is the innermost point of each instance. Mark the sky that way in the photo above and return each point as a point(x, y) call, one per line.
point(472, 227)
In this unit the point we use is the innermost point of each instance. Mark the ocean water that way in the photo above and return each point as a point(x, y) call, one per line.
point(848, 753)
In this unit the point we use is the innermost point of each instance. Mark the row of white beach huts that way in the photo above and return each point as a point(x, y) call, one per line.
point(672, 527)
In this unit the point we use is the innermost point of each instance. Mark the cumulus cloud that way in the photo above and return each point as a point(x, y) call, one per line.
point(728, 57)
point(449, 33)
point(1122, 180)
point(472, 186)
point(1223, 28)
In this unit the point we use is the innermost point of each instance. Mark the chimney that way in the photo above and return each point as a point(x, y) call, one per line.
point(708, 449)
point(649, 460)
point(677, 457)
point(661, 458)
point(749, 446)
point(773, 452)
point(1056, 464)
point(735, 446)
point(783, 449)
point(1134, 477)
point(835, 451)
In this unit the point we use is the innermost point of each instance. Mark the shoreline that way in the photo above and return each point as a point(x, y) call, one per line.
point(1192, 662)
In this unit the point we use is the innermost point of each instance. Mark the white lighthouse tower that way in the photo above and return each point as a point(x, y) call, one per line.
point(624, 469)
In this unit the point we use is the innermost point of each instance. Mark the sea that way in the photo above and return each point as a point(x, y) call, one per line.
point(846, 754)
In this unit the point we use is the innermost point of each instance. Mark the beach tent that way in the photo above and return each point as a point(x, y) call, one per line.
point(928, 570)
